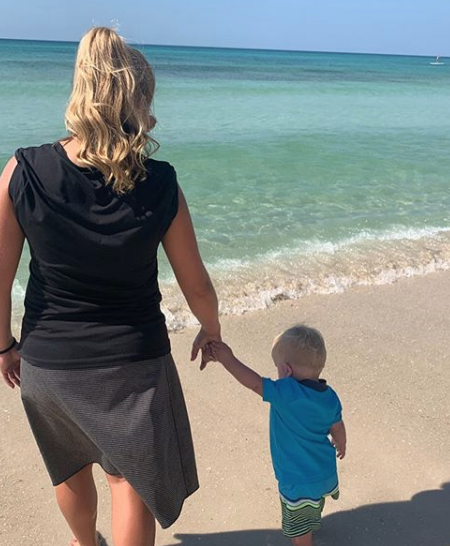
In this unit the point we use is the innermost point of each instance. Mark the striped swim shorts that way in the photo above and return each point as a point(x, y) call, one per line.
point(304, 515)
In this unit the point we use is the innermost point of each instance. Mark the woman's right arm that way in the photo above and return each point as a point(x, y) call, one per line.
point(11, 244)
point(180, 245)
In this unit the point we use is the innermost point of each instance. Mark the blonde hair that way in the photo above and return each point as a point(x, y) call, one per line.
point(109, 108)
point(301, 346)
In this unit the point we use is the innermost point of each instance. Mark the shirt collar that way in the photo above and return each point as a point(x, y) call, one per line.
point(320, 385)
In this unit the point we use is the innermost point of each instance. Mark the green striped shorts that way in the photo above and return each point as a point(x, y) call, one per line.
point(303, 516)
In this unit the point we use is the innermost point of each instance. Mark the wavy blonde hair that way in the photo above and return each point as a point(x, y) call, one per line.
point(109, 110)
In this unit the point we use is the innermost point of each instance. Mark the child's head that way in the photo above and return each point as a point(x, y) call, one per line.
point(300, 352)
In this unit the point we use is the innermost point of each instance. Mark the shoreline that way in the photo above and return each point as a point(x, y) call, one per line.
point(388, 350)
point(245, 286)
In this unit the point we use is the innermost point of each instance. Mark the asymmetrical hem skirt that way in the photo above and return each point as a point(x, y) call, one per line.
point(130, 419)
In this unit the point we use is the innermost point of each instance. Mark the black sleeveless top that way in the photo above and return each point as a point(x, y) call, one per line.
point(92, 297)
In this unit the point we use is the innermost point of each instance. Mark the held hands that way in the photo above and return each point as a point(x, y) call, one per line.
point(201, 343)
point(10, 368)
point(213, 349)
point(245, 375)
point(221, 352)
point(217, 351)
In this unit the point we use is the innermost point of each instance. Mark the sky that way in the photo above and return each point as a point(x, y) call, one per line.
point(410, 27)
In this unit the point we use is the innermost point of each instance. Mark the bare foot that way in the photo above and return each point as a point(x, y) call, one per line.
point(74, 541)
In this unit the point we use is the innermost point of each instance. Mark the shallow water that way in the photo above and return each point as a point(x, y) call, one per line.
point(305, 172)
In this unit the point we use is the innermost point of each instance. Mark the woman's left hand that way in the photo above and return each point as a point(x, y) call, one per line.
point(10, 368)
point(201, 342)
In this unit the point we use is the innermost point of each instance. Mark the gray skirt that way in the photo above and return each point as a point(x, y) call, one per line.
point(130, 419)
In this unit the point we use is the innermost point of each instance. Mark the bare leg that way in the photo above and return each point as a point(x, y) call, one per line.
point(304, 540)
point(132, 522)
point(77, 500)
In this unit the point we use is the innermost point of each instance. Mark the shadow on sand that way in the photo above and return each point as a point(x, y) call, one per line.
point(422, 521)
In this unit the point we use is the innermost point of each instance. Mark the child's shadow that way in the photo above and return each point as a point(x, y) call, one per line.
point(422, 521)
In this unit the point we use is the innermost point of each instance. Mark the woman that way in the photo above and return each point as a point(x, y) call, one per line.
point(97, 380)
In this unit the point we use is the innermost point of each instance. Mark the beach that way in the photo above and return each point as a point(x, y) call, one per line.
point(388, 350)
point(318, 187)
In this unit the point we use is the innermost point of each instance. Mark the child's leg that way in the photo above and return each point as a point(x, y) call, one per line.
point(304, 540)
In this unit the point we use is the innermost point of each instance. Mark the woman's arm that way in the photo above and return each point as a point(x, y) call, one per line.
point(11, 244)
point(180, 245)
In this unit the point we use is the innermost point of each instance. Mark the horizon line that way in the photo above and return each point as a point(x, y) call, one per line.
point(235, 48)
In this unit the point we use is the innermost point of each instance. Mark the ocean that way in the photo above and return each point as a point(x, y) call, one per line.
point(304, 172)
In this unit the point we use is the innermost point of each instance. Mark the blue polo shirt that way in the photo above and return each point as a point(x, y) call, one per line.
point(301, 415)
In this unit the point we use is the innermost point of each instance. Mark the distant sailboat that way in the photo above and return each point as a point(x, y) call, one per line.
point(437, 61)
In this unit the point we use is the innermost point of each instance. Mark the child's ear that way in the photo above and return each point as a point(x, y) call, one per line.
point(289, 371)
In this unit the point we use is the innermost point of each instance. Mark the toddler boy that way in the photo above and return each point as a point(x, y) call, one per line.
point(304, 412)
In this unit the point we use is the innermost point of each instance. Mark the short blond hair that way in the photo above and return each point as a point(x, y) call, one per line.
point(301, 346)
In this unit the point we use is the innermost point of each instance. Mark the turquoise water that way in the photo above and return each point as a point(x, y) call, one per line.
point(305, 172)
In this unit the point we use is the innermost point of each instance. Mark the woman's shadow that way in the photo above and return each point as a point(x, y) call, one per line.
point(422, 521)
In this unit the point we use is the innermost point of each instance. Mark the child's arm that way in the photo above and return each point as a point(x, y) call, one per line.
point(240, 371)
point(339, 437)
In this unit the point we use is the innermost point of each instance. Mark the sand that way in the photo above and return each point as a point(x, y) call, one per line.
point(389, 361)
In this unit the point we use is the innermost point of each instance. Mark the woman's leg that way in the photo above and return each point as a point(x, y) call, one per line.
point(304, 540)
point(132, 522)
point(77, 499)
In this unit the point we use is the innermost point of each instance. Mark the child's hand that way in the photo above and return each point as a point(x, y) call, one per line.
point(201, 344)
point(340, 450)
point(339, 439)
point(221, 352)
